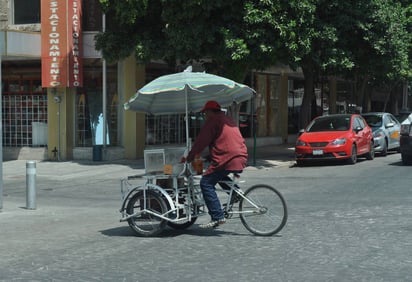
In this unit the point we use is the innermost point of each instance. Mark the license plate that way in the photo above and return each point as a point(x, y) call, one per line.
point(317, 152)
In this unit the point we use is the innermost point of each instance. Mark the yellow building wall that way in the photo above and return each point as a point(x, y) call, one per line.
point(272, 105)
point(133, 123)
point(60, 123)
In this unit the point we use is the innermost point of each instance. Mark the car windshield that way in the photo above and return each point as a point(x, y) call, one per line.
point(337, 123)
point(373, 120)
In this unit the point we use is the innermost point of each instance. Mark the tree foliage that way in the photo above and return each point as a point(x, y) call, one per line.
point(365, 41)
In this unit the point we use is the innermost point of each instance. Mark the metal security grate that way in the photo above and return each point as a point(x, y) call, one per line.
point(24, 120)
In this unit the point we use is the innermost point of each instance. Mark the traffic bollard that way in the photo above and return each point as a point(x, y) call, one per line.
point(31, 185)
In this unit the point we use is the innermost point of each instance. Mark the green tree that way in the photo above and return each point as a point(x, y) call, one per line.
point(231, 36)
point(359, 39)
point(379, 46)
point(362, 39)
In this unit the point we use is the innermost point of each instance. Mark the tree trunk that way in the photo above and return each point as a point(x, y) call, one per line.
point(360, 94)
point(308, 96)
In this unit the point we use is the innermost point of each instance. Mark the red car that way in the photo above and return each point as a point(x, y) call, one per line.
point(335, 137)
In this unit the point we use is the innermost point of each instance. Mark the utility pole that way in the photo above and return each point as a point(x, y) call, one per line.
point(1, 139)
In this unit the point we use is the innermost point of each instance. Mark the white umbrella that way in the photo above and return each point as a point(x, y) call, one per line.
point(187, 92)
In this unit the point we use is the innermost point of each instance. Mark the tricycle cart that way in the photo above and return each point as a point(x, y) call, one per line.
point(175, 200)
point(170, 194)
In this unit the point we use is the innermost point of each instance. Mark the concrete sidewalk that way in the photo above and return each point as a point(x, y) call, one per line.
point(75, 174)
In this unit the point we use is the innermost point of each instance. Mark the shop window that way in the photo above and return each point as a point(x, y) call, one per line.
point(26, 11)
point(92, 15)
point(24, 113)
point(89, 111)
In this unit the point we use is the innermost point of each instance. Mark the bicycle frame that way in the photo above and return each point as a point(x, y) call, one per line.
point(232, 184)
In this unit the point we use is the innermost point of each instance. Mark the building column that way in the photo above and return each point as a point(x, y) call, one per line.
point(132, 77)
point(60, 127)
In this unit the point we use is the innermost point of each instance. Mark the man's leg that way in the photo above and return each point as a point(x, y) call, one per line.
point(207, 184)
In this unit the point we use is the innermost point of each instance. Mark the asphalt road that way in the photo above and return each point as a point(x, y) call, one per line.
point(346, 223)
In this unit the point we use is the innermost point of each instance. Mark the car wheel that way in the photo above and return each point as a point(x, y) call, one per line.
point(353, 157)
point(371, 154)
point(384, 151)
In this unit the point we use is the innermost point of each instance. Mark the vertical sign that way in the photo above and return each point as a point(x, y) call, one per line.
point(61, 43)
point(74, 40)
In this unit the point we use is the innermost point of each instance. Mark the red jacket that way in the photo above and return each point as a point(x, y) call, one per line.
point(226, 145)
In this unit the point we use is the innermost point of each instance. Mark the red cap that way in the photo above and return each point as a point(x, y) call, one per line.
point(211, 105)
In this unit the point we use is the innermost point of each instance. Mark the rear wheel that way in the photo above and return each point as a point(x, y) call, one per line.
point(144, 222)
point(384, 151)
point(270, 215)
point(183, 225)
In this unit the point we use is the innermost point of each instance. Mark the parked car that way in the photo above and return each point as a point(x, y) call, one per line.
point(335, 137)
point(406, 142)
point(386, 131)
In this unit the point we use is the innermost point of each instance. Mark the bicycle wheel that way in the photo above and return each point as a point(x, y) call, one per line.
point(270, 216)
point(144, 223)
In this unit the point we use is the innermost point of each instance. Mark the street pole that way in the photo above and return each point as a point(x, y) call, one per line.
point(1, 140)
point(104, 100)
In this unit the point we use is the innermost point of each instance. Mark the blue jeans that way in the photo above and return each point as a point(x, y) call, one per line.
point(207, 184)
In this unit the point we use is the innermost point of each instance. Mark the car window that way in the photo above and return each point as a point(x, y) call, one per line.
point(358, 123)
point(361, 122)
point(393, 119)
point(337, 123)
point(373, 120)
point(386, 120)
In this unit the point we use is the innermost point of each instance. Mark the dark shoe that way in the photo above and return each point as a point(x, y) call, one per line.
point(213, 223)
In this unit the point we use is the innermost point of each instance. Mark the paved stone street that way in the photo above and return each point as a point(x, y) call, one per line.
point(335, 231)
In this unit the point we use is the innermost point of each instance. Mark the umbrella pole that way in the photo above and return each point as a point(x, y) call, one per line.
point(187, 122)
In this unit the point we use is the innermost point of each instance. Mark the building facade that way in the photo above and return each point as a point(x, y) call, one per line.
point(85, 119)
point(61, 121)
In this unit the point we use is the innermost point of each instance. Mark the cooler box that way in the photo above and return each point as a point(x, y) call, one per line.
point(156, 159)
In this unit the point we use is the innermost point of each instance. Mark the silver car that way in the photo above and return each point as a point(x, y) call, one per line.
point(386, 131)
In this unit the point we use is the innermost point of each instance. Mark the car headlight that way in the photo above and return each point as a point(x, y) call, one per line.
point(378, 134)
point(339, 141)
point(300, 143)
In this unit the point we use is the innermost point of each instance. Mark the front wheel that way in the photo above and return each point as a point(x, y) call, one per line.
point(354, 155)
point(144, 205)
point(263, 211)
point(371, 154)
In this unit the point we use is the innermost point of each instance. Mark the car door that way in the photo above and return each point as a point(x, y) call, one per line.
point(362, 137)
point(392, 127)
